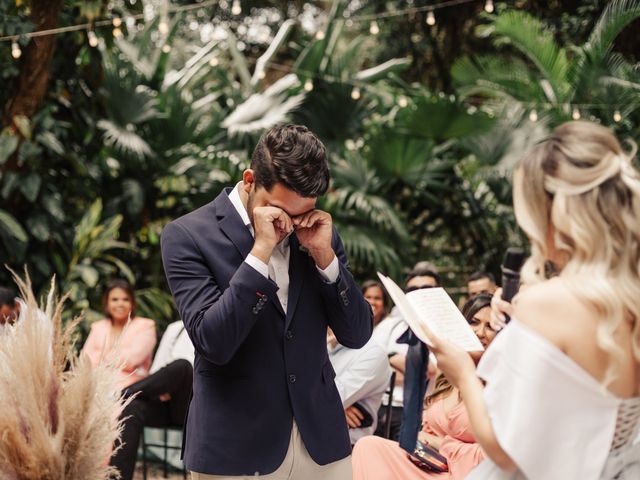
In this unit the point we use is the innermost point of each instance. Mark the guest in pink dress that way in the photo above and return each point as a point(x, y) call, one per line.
point(132, 347)
point(445, 426)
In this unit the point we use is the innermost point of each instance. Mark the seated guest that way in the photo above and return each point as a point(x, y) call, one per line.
point(445, 427)
point(122, 337)
point(362, 376)
point(161, 398)
point(481, 282)
point(373, 292)
point(13, 309)
point(133, 345)
point(423, 275)
point(9, 308)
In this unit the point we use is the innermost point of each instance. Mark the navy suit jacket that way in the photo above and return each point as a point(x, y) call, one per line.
point(255, 367)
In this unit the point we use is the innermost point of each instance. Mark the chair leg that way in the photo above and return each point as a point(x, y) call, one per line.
point(144, 457)
point(166, 453)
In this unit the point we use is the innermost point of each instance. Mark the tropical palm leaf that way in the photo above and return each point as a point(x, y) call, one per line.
point(124, 139)
point(264, 110)
point(615, 17)
point(367, 250)
point(490, 75)
point(357, 191)
point(527, 34)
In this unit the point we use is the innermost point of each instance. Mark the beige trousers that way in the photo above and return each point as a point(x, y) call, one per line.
point(297, 465)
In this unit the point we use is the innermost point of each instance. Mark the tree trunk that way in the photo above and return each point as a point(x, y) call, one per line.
point(30, 86)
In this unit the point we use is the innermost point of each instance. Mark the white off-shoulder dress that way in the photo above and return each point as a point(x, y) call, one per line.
point(552, 418)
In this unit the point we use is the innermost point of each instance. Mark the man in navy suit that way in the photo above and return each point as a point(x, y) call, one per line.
point(258, 275)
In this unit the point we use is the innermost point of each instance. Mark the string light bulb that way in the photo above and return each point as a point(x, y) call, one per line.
point(488, 6)
point(261, 74)
point(117, 33)
point(308, 85)
point(355, 93)
point(117, 21)
point(617, 117)
point(575, 114)
point(93, 38)
point(402, 101)
point(214, 61)
point(533, 115)
point(374, 29)
point(163, 27)
point(15, 50)
point(431, 18)
point(320, 35)
point(166, 48)
point(236, 7)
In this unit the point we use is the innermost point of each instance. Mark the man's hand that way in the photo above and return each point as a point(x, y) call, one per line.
point(354, 417)
point(314, 232)
point(271, 225)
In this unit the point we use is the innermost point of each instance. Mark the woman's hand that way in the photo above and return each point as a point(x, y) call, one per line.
point(354, 417)
point(430, 439)
point(456, 364)
point(499, 308)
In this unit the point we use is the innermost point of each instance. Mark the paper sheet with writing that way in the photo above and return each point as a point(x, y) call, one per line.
point(433, 308)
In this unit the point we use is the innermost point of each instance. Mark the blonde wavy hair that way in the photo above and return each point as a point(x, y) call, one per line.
point(581, 187)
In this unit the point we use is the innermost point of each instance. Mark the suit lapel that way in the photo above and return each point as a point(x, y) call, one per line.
point(231, 224)
point(233, 227)
point(296, 277)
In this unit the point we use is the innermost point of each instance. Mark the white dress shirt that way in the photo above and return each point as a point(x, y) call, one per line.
point(175, 344)
point(278, 267)
point(362, 376)
point(386, 333)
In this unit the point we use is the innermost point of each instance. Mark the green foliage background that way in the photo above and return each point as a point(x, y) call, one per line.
point(150, 125)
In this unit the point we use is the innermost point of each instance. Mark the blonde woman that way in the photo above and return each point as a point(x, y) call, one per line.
point(562, 394)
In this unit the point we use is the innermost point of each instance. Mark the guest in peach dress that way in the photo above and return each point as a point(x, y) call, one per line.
point(445, 425)
point(132, 347)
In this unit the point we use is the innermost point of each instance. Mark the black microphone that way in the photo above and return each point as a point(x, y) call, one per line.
point(511, 265)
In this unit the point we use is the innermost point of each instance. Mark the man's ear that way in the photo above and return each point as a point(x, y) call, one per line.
point(248, 179)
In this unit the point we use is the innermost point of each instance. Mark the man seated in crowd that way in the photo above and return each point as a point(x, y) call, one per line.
point(481, 282)
point(423, 275)
point(362, 376)
point(13, 309)
point(9, 308)
point(162, 397)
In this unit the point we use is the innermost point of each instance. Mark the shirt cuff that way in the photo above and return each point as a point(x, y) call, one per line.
point(258, 265)
point(330, 274)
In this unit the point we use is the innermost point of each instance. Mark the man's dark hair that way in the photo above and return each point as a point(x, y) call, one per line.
point(7, 297)
point(293, 156)
point(481, 274)
point(424, 269)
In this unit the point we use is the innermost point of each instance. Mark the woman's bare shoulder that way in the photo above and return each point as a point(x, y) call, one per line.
point(553, 310)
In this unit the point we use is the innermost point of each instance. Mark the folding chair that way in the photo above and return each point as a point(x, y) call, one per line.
point(389, 392)
point(165, 446)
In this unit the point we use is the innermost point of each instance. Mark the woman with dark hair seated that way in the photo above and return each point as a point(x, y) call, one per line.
point(161, 397)
point(445, 426)
point(133, 345)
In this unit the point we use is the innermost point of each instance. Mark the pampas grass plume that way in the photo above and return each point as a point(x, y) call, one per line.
point(58, 416)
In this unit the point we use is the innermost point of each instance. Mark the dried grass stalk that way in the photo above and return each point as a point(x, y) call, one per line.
point(55, 422)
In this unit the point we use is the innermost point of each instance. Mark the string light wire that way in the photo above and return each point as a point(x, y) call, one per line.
point(116, 21)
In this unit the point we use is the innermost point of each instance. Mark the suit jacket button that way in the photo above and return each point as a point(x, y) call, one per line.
point(292, 378)
point(255, 310)
point(288, 335)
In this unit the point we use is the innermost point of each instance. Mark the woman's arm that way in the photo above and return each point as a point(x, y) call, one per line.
point(137, 343)
point(460, 370)
point(471, 390)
